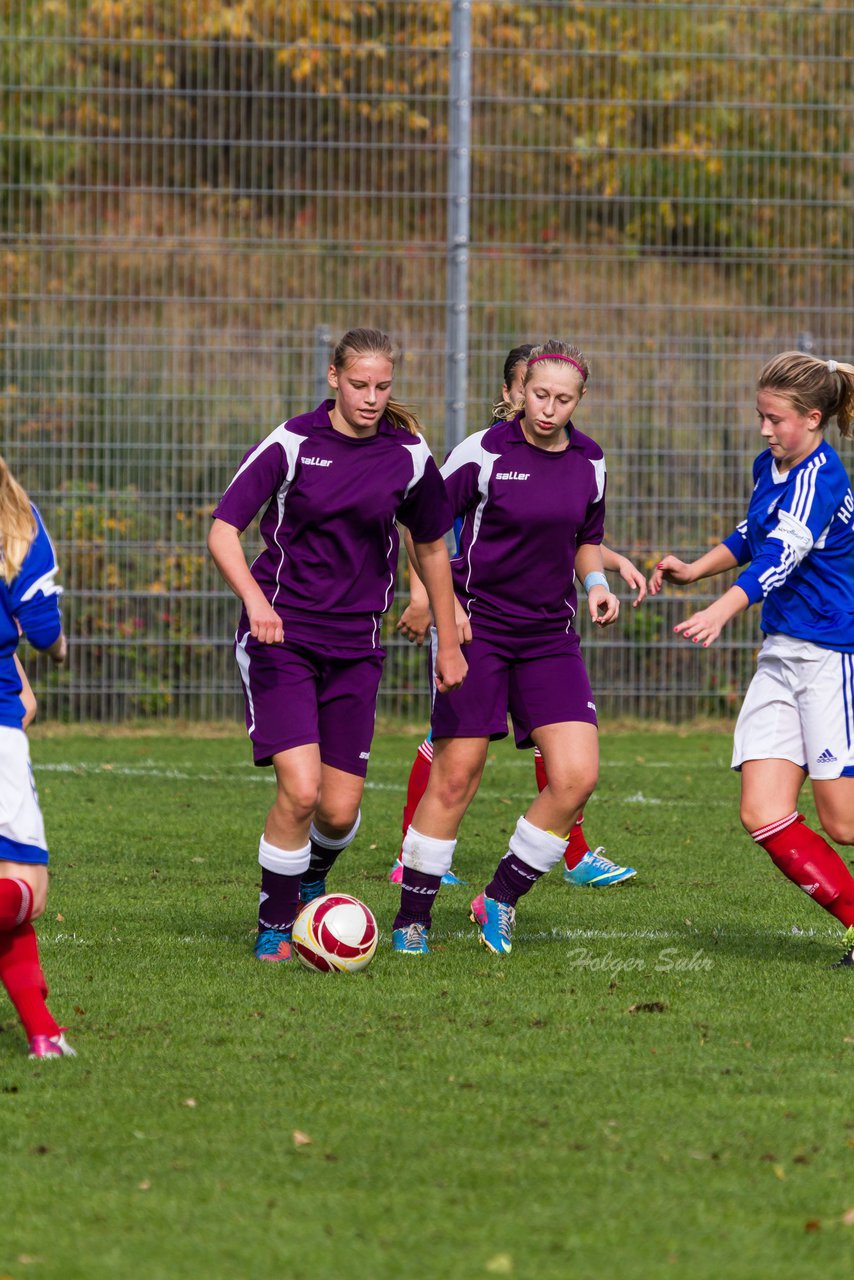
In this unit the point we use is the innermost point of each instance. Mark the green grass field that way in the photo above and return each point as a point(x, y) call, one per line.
point(656, 1083)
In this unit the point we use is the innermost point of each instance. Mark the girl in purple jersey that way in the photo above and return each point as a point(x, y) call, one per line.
point(582, 865)
point(530, 492)
point(29, 605)
point(796, 549)
point(331, 483)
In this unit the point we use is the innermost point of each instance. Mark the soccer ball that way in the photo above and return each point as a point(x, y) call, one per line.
point(335, 934)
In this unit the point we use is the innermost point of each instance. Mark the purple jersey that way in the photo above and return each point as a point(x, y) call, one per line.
point(330, 538)
point(524, 512)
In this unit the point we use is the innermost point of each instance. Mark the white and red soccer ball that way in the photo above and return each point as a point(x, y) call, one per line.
point(335, 934)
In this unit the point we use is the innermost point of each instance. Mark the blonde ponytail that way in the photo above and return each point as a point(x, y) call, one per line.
point(17, 524)
point(373, 342)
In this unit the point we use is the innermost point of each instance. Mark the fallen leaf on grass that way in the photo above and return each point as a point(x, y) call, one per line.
point(651, 1006)
point(847, 1218)
point(60, 916)
point(301, 1139)
point(145, 1185)
point(189, 1102)
point(812, 1224)
point(500, 1265)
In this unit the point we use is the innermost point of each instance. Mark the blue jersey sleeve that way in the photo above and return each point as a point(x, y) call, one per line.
point(803, 515)
point(34, 593)
point(737, 543)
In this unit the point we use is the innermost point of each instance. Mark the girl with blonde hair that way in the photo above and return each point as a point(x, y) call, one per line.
point(796, 549)
point(331, 485)
point(29, 605)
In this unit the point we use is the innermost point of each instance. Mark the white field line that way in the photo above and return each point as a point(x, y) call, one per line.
point(687, 938)
point(265, 778)
point(187, 770)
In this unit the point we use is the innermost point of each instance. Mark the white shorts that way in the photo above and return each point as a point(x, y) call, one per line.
point(799, 706)
point(22, 837)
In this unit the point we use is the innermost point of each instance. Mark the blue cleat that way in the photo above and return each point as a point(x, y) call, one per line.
point(496, 920)
point(450, 878)
point(273, 945)
point(411, 940)
point(597, 871)
point(396, 876)
point(311, 889)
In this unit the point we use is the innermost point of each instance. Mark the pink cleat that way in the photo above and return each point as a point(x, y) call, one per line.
point(478, 910)
point(396, 874)
point(51, 1046)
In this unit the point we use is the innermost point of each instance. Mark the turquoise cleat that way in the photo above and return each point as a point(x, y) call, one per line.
point(450, 878)
point(273, 945)
point(396, 876)
point(311, 889)
point(411, 940)
point(496, 920)
point(597, 871)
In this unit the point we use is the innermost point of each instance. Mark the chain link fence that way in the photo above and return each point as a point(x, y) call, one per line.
point(195, 197)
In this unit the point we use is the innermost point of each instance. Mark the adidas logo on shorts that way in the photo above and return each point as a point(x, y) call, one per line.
point(826, 757)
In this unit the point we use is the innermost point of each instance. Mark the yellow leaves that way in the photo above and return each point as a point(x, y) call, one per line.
point(500, 1265)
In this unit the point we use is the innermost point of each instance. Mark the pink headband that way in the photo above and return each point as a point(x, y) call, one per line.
point(566, 359)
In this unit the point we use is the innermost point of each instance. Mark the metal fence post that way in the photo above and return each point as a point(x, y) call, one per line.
point(322, 355)
point(459, 208)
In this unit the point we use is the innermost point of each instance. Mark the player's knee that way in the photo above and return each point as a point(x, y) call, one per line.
point(337, 815)
point(453, 790)
point(839, 828)
point(573, 788)
point(300, 797)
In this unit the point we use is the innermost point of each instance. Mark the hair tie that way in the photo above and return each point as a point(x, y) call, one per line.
point(566, 359)
point(832, 366)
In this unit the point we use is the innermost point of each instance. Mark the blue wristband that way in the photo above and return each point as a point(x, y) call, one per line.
point(595, 580)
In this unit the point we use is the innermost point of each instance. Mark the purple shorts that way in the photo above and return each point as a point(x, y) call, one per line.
point(539, 681)
point(294, 697)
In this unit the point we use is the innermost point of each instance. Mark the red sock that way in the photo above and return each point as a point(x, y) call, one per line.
point(419, 776)
point(808, 861)
point(16, 903)
point(577, 843)
point(21, 975)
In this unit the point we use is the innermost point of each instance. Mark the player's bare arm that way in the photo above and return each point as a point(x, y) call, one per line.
point(461, 618)
point(603, 604)
point(704, 626)
point(28, 698)
point(680, 573)
point(417, 617)
point(435, 570)
point(631, 575)
point(227, 553)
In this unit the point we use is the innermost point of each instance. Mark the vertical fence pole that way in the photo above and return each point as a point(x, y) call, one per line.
point(459, 206)
point(322, 356)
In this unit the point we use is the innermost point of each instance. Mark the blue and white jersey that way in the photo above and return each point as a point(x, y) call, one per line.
point(33, 598)
point(798, 540)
